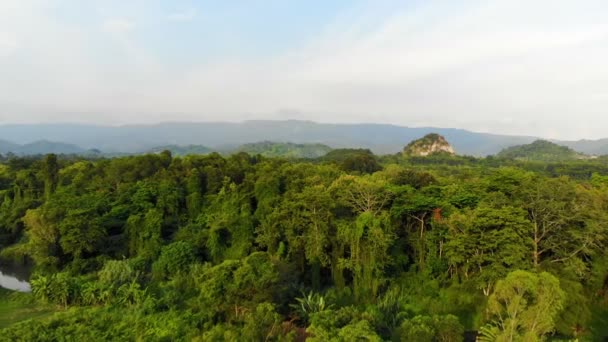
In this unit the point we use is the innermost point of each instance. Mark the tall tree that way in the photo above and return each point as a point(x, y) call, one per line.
point(524, 306)
point(561, 229)
point(485, 243)
point(50, 171)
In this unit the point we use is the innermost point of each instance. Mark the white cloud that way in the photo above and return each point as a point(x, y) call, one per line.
point(187, 15)
point(510, 66)
point(8, 44)
point(469, 68)
point(118, 25)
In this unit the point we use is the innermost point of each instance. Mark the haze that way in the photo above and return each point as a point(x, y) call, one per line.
point(505, 66)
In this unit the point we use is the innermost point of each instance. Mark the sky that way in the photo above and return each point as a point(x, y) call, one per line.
point(503, 66)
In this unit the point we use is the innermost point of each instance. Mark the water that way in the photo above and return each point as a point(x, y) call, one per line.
point(15, 278)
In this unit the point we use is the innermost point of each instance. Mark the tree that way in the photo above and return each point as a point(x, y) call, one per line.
point(80, 233)
point(233, 285)
point(311, 221)
point(524, 306)
point(51, 174)
point(485, 243)
point(262, 324)
point(229, 220)
point(436, 328)
point(415, 210)
point(361, 163)
point(174, 258)
point(368, 240)
point(144, 233)
point(362, 194)
point(195, 189)
point(559, 212)
point(43, 239)
point(400, 176)
point(344, 324)
point(169, 196)
point(268, 190)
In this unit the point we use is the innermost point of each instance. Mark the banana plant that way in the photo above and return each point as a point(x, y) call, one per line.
point(309, 304)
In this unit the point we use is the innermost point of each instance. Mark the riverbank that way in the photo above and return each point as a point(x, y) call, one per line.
point(16, 307)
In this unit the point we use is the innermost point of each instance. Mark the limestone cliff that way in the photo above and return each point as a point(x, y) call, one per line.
point(427, 145)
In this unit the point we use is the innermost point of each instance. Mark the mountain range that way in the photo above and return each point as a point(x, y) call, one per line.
point(40, 147)
point(222, 136)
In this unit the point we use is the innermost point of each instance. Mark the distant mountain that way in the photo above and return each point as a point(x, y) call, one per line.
point(41, 147)
point(7, 146)
point(181, 150)
point(593, 147)
point(379, 138)
point(429, 144)
point(541, 150)
point(285, 150)
point(45, 146)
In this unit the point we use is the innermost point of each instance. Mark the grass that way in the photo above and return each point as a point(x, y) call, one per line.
point(599, 323)
point(16, 307)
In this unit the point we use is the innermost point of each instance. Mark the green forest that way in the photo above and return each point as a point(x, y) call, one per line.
point(347, 247)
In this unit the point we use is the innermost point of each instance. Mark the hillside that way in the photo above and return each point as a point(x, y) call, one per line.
point(40, 147)
point(540, 150)
point(285, 150)
point(428, 145)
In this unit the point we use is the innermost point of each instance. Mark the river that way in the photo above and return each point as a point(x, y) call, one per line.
point(14, 277)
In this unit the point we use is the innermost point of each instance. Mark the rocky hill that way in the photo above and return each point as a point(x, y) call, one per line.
point(429, 144)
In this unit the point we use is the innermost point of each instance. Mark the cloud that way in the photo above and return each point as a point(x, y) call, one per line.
point(465, 67)
point(505, 66)
point(183, 16)
point(118, 25)
point(8, 44)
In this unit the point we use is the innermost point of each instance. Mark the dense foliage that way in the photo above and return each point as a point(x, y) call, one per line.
point(263, 148)
point(177, 150)
point(348, 247)
point(540, 150)
point(285, 150)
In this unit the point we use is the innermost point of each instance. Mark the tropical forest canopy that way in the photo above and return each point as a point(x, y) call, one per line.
point(347, 247)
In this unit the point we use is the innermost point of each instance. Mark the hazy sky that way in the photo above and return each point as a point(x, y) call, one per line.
point(535, 67)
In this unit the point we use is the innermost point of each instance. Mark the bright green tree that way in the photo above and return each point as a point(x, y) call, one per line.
point(524, 306)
